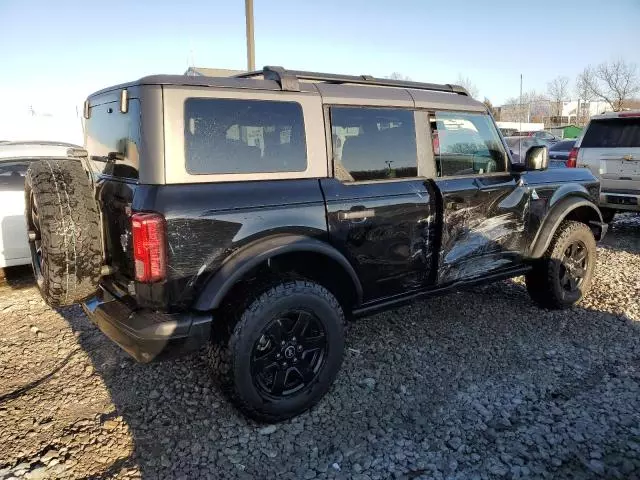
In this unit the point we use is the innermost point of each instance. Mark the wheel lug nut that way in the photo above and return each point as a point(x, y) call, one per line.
point(295, 359)
point(299, 348)
point(282, 343)
point(278, 355)
point(284, 364)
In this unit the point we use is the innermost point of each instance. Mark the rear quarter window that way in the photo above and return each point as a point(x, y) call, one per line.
point(243, 136)
point(612, 133)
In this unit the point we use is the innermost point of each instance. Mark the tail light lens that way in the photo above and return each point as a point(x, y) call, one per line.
point(572, 161)
point(149, 252)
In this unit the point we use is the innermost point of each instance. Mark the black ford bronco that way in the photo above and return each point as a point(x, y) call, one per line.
point(254, 214)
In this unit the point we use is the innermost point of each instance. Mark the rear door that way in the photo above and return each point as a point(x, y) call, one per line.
point(610, 148)
point(380, 206)
point(112, 140)
point(484, 204)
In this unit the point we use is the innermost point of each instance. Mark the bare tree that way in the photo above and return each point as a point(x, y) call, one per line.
point(558, 90)
point(585, 96)
point(491, 108)
point(534, 107)
point(398, 76)
point(468, 85)
point(614, 82)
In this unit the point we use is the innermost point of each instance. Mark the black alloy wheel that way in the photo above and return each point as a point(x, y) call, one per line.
point(289, 354)
point(574, 266)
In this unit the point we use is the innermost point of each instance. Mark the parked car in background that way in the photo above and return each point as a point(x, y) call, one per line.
point(610, 148)
point(559, 153)
point(520, 145)
point(547, 137)
point(15, 158)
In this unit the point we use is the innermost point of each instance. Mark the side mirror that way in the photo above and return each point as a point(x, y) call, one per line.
point(537, 158)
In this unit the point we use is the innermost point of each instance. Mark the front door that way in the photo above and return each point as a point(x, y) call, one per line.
point(484, 205)
point(380, 211)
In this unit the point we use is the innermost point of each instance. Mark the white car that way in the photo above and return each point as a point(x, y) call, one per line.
point(14, 162)
point(610, 148)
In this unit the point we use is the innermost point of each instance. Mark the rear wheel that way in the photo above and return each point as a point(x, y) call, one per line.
point(562, 277)
point(64, 231)
point(283, 350)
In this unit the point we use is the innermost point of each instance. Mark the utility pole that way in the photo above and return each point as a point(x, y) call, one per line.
point(521, 112)
point(251, 53)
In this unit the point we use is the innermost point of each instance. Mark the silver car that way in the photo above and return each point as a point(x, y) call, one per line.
point(610, 148)
point(14, 162)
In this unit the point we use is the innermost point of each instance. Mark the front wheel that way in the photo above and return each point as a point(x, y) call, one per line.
point(562, 277)
point(283, 352)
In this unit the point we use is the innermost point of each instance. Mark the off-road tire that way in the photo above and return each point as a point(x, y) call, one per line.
point(234, 335)
point(543, 281)
point(67, 253)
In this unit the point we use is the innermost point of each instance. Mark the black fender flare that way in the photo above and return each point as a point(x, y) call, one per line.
point(555, 217)
point(245, 259)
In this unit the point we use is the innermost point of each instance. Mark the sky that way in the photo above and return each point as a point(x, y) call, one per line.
point(54, 53)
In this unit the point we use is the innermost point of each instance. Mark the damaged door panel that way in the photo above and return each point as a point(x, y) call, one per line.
point(483, 222)
point(386, 230)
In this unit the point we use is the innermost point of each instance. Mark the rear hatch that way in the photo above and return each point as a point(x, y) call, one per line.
point(112, 139)
point(610, 148)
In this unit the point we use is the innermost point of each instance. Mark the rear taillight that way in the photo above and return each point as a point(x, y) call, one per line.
point(149, 252)
point(572, 161)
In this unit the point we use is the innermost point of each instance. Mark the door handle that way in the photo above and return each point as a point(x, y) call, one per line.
point(357, 214)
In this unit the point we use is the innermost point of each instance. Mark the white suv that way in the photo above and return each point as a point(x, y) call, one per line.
point(610, 148)
point(15, 158)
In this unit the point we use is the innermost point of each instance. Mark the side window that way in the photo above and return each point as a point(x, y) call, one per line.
point(466, 144)
point(373, 143)
point(243, 136)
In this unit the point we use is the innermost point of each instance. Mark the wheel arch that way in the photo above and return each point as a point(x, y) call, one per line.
point(313, 258)
point(573, 207)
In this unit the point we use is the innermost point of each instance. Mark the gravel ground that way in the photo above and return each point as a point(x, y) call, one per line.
point(478, 384)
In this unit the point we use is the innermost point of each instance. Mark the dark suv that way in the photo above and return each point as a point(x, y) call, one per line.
point(254, 214)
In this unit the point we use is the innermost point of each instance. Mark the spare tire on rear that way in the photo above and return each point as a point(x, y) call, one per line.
point(64, 231)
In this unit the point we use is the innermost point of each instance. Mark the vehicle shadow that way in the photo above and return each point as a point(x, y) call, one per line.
point(511, 372)
point(624, 234)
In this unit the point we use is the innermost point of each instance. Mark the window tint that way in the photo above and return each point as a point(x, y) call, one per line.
point(243, 136)
point(373, 143)
point(564, 146)
point(110, 131)
point(466, 144)
point(614, 133)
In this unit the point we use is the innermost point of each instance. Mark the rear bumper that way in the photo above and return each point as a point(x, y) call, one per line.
point(620, 200)
point(144, 334)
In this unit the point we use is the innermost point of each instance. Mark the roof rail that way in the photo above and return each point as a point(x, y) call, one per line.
point(289, 80)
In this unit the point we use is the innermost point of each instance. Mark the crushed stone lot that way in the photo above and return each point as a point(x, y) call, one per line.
point(477, 384)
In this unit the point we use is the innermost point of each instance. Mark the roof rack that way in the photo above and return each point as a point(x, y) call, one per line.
point(289, 80)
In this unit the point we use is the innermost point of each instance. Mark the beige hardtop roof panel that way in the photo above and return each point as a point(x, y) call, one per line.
point(445, 101)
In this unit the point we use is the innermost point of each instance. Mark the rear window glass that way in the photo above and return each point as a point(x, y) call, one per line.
point(613, 133)
point(243, 136)
point(562, 146)
point(113, 139)
point(12, 175)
